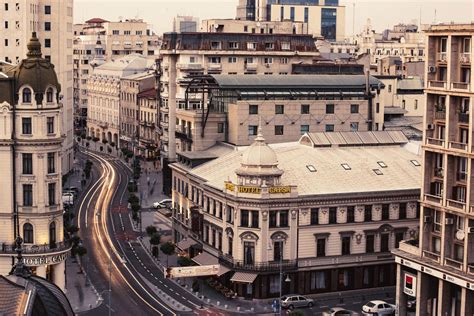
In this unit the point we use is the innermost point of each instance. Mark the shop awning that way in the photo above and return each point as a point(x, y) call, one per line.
point(185, 244)
point(205, 259)
point(222, 270)
point(244, 277)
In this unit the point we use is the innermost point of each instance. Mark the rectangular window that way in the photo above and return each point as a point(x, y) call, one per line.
point(329, 128)
point(292, 14)
point(278, 250)
point(284, 60)
point(369, 243)
point(399, 236)
point(6, 24)
point(321, 247)
point(332, 215)
point(304, 129)
point(47, 9)
point(26, 126)
point(51, 163)
point(220, 128)
point(27, 161)
point(47, 42)
point(385, 212)
point(402, 211)
point(304, 108)
point(268, 60)
point(318, 280)
point(350, 214)
point(384, 242)
point(47, 26)
point(234, 45)
point(354, 126)
point(282, 13)
point(354, 108)
point(253, 109)
point(27, 195)
point(214, 60)
point(249, 253)
point(328, 23)
point(253, 130)
point(346, 245)
point(244, 218)
point(368, 213)
point(232, 60)
point(279, 109)
point(255, 219)
point(329, 108)
point(283, 218)
point(273, 219)
point(306, 15)
point(314, 216)
point(279, 130)
point(52, 193)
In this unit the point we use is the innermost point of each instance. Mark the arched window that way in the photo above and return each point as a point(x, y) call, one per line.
point(28, 233)
point(49, 95)
point(26, 98)
point(52, 235)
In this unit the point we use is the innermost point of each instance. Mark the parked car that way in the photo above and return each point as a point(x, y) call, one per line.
point(163, 203)
point(339, 311)
point(68, 198)
point(378, 308)
point(294, 301)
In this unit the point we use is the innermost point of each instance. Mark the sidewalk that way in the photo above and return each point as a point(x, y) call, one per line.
point(150, 185)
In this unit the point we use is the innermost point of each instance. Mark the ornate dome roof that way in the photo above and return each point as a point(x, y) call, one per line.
point(35, 71)
point(259, 153)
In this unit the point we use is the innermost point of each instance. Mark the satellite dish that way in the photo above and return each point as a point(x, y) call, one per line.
point(460, 235)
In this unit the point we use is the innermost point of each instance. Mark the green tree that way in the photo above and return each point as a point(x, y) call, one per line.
point(185, 261)
point(168, 249)
point(154, 242)
point(151, 230)
point(136, 207)
point(133, 199)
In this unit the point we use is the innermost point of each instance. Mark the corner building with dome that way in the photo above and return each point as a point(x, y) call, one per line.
point(31, 139)
point(325, 211)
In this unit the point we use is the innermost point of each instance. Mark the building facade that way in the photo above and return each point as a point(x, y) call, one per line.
point(247, 26)
point(31, 143)
point(149, 143)
point(301, 208)
point(437, 268)
point(52, 21)
point(184, 24)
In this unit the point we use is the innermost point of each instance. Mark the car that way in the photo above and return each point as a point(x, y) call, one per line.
point(294, 301)
point(378, 308)
point(166, 203)
point(339, 311)
point(68, 198)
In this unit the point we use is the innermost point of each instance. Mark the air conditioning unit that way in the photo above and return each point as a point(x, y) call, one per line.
point(427, 219)
point(431, 69)
point(430, 127)
point(470, 230)
point(449, 221)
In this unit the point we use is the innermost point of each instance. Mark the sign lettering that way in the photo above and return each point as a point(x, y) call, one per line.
point(44, 260)
point(256, 190)
point(185, 272)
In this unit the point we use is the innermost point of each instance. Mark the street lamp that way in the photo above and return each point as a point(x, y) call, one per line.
point(287, 279)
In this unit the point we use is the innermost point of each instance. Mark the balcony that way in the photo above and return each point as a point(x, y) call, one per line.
point(460, 85)
point(331, 261)
point(239, 265)
point(457, 204)
point(214, 67)
point(433, 198)
point(36, 249)
point(184, 135)
point(190, 66)
point(434, 141)
point(442, 57)
point(453, 263)
point(470, 269)
point(437, 84)
point(440, 115)
point(458, 146)
point(251, 66)
point(431, 256)
point(410, 246)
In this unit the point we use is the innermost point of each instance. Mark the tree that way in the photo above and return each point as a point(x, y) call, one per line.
point(185, 261)
point(133, 199)
point(151, 230)
point(154, 242)
point(168, 249)
point(136, 207)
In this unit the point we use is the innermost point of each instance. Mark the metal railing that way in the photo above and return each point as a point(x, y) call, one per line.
point(453, 263)
point(258, 266)
point(457, 145)
point(460, 85)
point(456, 204)
point(435, 141)
point(35, 249)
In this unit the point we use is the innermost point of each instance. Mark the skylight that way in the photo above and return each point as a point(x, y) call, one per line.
point(346, 166)
point(382, 164)
point(311, 168)
point(378, 172)
point(415, 163)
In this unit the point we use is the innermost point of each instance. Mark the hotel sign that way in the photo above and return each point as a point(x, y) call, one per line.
point(34, 261)
point(256, 190)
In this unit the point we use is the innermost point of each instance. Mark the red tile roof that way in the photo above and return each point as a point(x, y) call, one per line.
point(96, 20)
point(149, 94)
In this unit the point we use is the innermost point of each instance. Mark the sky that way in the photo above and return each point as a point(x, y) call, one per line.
point(383, 13)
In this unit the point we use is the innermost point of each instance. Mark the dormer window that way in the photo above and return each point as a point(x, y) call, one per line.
point(49, 95)
point(26, 97)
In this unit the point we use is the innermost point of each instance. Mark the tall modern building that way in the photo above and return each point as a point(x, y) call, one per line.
point(324, 18)
point(437, 267)
point(30, 152)
point(52, 21)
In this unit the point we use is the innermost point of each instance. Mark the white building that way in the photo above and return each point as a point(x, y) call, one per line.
point(52, 21)
point(31, 140)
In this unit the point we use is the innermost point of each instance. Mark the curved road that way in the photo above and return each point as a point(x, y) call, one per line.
point(137, 283)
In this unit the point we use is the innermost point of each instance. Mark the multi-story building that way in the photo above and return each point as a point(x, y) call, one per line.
point(437, 267)
point(326, 211)
point(324, 18)
point(130, 116)
point(52, 21)
point(104, 90)
point(287, 107)
point(31, 141)
point(195, 54)
point(184, 23)
point(248, 26)
point(149, 136)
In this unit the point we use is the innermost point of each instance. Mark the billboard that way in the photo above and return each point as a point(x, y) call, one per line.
point(187, 272)
point(409, 284)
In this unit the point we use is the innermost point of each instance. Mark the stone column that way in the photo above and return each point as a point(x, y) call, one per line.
point(59, 275)
point(41, 271)
point(401, 298)
point(422, 294)
point(467, 297)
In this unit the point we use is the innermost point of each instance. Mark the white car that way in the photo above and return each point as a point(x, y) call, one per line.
point(68, 198)
point(163, 203)
point(378, 308)
point(339, 311)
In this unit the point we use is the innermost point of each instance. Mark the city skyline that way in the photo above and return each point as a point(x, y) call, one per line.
point(160, 13)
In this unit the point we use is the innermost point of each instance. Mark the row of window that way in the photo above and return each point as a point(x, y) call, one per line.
point(29, 236)
point(27, 163)
point(28, 194)
point(126, 32)
point(47, 8)
point(247, 60)
point(305, 109)
point(216, 45)
point(280, 129)
point(27, 127)
point(26, 95)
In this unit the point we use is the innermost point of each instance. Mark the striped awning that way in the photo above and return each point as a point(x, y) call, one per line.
point(205, 259)
point(244, 277)
point(185, 244)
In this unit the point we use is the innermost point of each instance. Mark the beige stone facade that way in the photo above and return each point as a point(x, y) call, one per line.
point(440, 261)
point(149, 137)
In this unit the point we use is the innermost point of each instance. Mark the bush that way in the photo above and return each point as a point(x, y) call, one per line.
point(105, 141)
point(151, 230)
point(79, 139)
point(133, 199)
point(95, 139)
point(185, 261)
point(101, 148)
point(112, 144)
point(132, 187)
point(109, 150)
point(136, 207)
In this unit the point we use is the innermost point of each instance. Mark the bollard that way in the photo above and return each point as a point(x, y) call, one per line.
point(218, 303)
point(238, 308)
point(226, 306)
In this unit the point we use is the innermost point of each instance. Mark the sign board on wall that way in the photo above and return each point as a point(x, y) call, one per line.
point(33, 261)
point(256, 190)
point(186, 272)
point(409, 284)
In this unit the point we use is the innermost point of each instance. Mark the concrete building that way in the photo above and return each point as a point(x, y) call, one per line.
point(104, 92)
point(31, 141)
point(185, 24)
point(52, 21)
point(324, 18)
point(130, 111)
point(248, 26)
point(437, 268)
point(149, 136)
point(326, 210)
